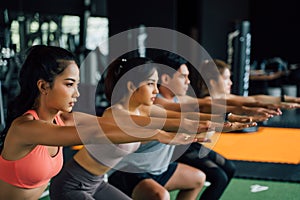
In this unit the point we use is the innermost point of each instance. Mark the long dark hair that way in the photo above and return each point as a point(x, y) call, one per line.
point(42, 62)
point(118, 73)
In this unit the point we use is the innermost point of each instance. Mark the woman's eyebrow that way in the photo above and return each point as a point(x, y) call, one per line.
point(70, 79)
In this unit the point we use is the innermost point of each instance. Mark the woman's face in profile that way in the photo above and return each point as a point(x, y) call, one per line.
point(147, 90)
point(227, 83)
point(64, 93)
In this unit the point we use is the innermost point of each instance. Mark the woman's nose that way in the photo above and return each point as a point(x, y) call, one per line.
point(155, 91)
point(76, 93)
point(187, 80)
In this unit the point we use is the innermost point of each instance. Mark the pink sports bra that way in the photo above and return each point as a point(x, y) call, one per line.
point(36, 168)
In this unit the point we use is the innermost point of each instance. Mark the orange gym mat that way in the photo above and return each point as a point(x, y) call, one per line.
point(278, 145)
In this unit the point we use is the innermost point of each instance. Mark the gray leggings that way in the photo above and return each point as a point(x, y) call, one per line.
point(74, 182)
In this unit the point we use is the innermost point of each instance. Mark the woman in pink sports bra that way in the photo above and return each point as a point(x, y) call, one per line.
point(40, 121)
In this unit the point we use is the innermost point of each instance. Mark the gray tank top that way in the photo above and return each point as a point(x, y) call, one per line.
point(111, 154)
point(152, 157)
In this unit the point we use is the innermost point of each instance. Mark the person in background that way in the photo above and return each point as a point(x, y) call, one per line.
point(40, 121)
point(190, 102)
point(174, 77)
point(219, 76)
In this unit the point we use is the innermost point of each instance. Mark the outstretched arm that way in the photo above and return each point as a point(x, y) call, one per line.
point(160, 118)
point(220, 106)
point(85, 129)
point(264, 101)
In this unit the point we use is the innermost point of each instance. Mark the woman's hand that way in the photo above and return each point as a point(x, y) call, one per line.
point(247, 119)
point(195, 126)
point(260, 111)
point(175, 138)
point(233, 126)
point(288, 105)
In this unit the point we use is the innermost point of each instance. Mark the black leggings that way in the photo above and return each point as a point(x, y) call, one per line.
point(219, 171)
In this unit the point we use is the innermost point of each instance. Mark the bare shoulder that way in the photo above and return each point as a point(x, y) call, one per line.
point(20, 121)
point(107, 112)
point(113, 110)
point(22, 125)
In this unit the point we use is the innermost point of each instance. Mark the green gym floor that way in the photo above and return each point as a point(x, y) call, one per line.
point(241, 189)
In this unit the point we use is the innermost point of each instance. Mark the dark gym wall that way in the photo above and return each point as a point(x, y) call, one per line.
point(216, 20)
point(124, 15)
point(274, 24)
point(43, 6)
point(275, 29)
point(209, 22)
point(212, 19)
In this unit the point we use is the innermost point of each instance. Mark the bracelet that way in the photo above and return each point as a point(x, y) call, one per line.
point(226, 116)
